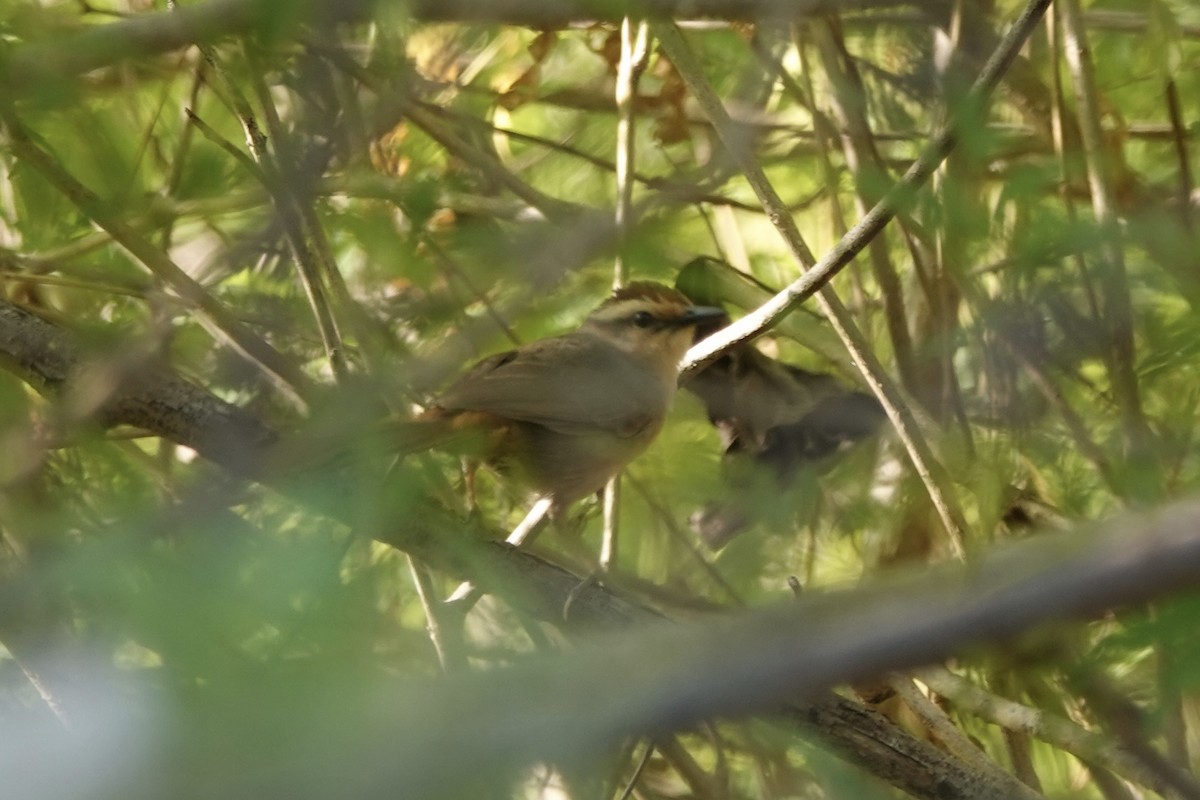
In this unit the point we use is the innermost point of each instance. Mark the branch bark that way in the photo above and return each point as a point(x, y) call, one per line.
point(734, 665)
point(37, 66)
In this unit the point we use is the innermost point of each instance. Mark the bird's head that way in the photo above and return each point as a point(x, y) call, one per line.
point(650, 321)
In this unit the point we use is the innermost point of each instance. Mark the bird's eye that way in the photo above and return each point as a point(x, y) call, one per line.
point(643, 319)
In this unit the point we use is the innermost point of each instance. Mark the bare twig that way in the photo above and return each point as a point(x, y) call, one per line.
point(246, 162)
point(634, 50)
point(447, 640)
point(1127, 723)
point(693, 775)
point(939, 724)
point(488, 165)
point(927, 467)
point(1058, 731)
point(695, 671)
point(284, 375)
point(314, 264)
point(848, 96)
point(769, 314)
point(637, 772)
point(1118, 310)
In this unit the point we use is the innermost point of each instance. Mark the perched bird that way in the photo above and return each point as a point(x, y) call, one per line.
point(563, 415)
point(775, 419)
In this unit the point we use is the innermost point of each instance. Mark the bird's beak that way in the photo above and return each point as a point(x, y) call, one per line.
point(698, 315)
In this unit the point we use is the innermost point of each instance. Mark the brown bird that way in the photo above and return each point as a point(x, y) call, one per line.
point(563, 415)
point(777, 420)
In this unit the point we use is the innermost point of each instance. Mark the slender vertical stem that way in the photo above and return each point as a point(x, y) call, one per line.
point(1115, 283)
point(814, 281)
point(848, 100)
point(314, 264)
point(634, 49)
point(447, 642)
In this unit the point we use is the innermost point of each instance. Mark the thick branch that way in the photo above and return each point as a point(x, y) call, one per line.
point(40, 64)
point(49, 358)
point(153, 398)
point(730, 666)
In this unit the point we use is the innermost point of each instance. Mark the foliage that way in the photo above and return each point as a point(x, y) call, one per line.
point(320, 215)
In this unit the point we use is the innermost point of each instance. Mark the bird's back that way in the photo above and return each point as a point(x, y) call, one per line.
point(565, 414)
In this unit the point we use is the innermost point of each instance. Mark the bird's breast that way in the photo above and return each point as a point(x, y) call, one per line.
point(572, 466)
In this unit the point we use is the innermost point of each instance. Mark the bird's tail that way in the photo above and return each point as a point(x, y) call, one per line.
point(322, 450)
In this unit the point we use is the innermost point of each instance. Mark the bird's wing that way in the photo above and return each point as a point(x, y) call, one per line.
point(749, 393)
point(575, 384)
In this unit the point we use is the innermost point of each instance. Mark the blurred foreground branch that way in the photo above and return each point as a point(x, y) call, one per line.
point(32, 67)
point(758, 661)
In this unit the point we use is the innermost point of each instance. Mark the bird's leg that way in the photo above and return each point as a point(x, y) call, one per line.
point(532, 522)
point(569, 525)
point(466, 594)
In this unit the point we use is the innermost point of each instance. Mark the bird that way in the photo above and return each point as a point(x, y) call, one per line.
point(561, 416)
point(775, 420)
point(785, 415)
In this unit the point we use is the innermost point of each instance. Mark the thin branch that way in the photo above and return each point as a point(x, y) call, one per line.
point(175, 169)
point(246, 162)
point(698, 781)
point(634, 52)
point(315, 265)
point(848, 97)
point(488, 164)
point(440, 620)
point(1118, 311)
point(932, 474)
point(1074, 422)
point(284, 375)
point(29, 69)
point(1128, 723)
point(637, 772)
point(667, 518)
point(72, 283)
point(939, 724)
point(419, 115)
point(1058, 731)
point(48, 696)
point(732, 665)
point(1179, 140)
point(769, 314)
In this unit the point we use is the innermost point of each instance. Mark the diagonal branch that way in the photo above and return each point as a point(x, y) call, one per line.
point(732, 665)
point(931, 472)
point(769, 314)
point(221, 323)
